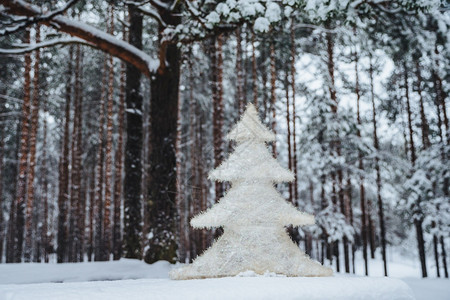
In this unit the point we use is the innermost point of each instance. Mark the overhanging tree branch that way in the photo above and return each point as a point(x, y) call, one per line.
point(99, 39)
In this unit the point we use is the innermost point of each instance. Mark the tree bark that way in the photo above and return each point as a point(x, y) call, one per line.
point(109, 150)
point(45, 224)
point(117, 243)
point(21, 195)
point(133, 146)
point(99, 254)
point(162, 175)
point(63, 195)
point(32, 155)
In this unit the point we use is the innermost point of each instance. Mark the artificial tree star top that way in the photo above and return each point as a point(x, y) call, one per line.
point(253, 213)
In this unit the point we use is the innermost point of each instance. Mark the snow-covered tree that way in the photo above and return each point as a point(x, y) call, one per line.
point(252, 213)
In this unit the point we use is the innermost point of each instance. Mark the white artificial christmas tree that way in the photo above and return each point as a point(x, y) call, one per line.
point(253, 214)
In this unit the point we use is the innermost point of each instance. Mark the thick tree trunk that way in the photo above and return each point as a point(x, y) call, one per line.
point(63, 195)
point(362, 193)
point(23, 159)
point(162, 182)
point(32, 155)
point(377, 168)
point(133, 147)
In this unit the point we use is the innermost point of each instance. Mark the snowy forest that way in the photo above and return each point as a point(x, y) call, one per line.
point(112, 113)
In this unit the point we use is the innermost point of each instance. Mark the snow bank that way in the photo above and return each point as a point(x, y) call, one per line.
point(222, 288)
point(77, 272)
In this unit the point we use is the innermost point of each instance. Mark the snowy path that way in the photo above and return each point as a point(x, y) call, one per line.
point(132, 279)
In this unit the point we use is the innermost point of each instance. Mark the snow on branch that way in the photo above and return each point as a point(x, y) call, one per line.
point(97, 38)
point(152, 13)
point(26, 48)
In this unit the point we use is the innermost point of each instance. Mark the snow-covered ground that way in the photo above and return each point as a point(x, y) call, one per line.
point(132, 279)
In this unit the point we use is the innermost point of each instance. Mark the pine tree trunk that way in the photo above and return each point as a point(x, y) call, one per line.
point(288, 137)
point(362, 193)
point(90, 249)
point(162, 174)
point(294, 133)
point(32, 156)
point(21, 195)
point(133, 147)
point(63, 195)
point(417, 213)
point(99, 175)
point(273, 78)
point(218, 109)
point(377, 168)
point(109, 150)
point(45, 227)
point(117, 238)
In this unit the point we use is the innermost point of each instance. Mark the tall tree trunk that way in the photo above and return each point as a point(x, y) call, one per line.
point(99, 174)
point(417, 213)
point(133, 146)
point(162, 175)
point(45, 227)
point(362, 193)
point(63, 195)
point(117, 238)
point(294, 133)
point(109, 149)
point(218, 109)
point(377, 168)
point(273, 78)
point(21, 194)
point(77, 196)
point(32, 155)
point(289, 135)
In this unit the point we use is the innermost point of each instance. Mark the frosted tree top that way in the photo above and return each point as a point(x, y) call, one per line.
point(250, 128)
point(251, 161)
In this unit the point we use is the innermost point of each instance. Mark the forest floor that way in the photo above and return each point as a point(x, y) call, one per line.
point(133, 279)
